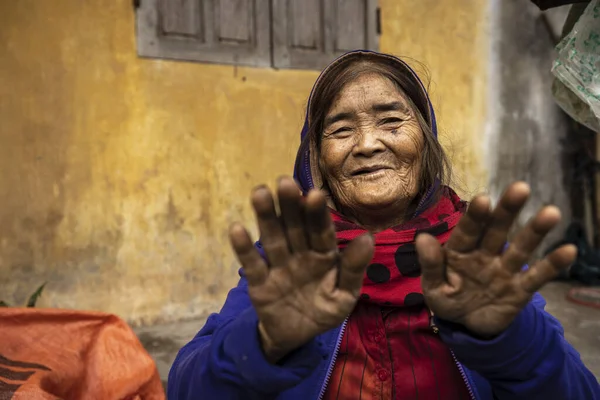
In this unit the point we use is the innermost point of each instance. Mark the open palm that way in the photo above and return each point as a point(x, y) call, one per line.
point(305, 287)
point(472, 280)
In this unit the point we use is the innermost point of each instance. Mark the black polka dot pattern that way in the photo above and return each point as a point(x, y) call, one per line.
point(344, 226)
point(435, 230)
point(414, 299)
point(417, 223)
point(365, 296)
point(378, 273)
point(407, 261)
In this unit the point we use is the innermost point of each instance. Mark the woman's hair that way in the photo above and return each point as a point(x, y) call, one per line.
point(435, 167)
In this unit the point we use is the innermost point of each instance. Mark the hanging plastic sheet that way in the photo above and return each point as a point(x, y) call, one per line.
point(577, 69)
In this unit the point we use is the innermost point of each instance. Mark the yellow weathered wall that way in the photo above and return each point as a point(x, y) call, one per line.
point(451, 39)
point(121, 175)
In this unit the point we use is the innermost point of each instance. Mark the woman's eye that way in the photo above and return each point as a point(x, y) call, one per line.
point(388, 121)
point(341, 130)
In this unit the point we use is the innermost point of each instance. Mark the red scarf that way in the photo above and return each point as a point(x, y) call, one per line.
point(393, 278)
point(389, 347)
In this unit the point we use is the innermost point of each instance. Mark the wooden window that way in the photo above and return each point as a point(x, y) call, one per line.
point(310, 33)
point(216, 31)
point(305, 34)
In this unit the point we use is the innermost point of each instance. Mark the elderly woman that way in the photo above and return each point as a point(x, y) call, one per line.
point(350, 294)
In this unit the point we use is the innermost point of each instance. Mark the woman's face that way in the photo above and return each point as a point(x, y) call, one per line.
point(371, 146)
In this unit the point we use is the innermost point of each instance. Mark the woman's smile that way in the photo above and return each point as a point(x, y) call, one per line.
point(371, 173)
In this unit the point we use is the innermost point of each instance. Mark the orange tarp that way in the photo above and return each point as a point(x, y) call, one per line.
point(71, 355)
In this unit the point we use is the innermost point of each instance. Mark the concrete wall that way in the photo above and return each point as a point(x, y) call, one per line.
point(524, 126)
point(121, 175)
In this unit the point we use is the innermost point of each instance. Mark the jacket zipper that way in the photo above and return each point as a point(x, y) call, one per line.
point(333, 359)
point(464, 376)
point(462, 371)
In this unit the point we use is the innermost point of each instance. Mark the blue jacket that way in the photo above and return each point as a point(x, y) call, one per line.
point(530, 360)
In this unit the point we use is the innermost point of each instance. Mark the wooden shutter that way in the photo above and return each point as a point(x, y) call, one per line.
point(216, 31)
point(309, 34)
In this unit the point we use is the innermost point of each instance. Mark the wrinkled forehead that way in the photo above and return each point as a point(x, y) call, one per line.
point(369, 92)
point(349, 73)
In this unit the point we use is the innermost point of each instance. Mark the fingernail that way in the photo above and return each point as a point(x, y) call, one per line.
point(259, 187)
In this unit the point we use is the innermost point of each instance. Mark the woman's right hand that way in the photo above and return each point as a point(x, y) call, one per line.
point(307, 287)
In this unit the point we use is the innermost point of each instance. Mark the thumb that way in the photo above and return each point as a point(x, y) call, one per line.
point(353, 263)
point(431, 259)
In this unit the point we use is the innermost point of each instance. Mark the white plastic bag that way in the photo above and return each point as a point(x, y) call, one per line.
point(577, 69)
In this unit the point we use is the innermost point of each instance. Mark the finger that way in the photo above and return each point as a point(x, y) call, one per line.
point(504, 215)
point(529, 238)
point(272, 236)
point(292, 213)
point(254, 266)
point(431, 259)
point(321, 232)
point(467, 233)
point(548, 268)
point(353, 263)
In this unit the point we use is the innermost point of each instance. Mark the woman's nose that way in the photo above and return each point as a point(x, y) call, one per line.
point(368, 143)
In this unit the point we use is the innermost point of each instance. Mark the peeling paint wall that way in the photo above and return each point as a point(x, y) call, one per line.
point(121, 175)
point(525, 126)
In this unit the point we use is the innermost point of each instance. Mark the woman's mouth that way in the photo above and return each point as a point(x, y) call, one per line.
point(370, 172)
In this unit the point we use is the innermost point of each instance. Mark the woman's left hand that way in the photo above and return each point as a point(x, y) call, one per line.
point(472, 281)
